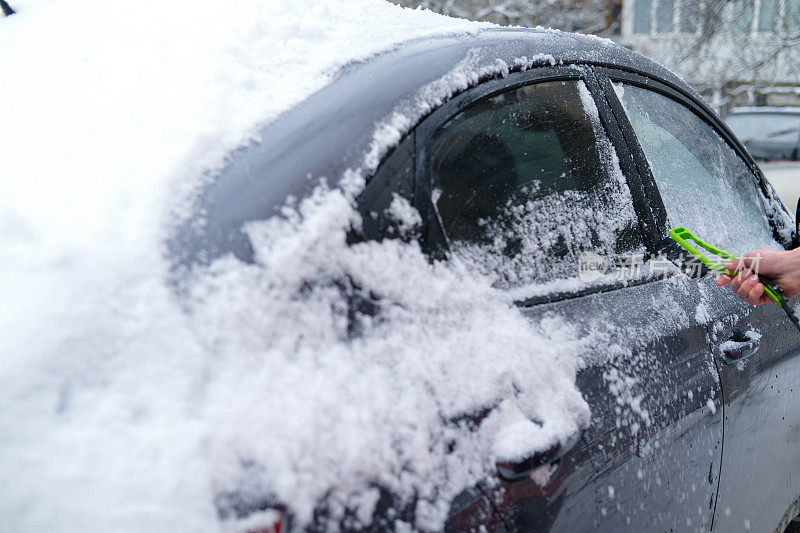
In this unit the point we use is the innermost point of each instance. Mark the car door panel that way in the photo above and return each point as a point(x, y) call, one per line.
point(761, 471)
point(650, 459)
point(755, 349)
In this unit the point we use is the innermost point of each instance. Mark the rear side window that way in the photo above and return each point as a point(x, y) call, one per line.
point(704, 184)
point(525, 182)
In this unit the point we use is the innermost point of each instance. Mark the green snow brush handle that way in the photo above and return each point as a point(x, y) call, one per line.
point(682, 236)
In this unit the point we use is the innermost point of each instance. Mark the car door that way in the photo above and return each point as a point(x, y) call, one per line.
point(707, 186)
point(519, 179)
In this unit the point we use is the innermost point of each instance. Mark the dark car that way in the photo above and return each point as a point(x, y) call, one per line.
point(557, 163)
point(768, 133)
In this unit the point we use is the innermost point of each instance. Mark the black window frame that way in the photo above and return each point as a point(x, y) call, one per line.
point(433, 236)
point(399, 160)
point(647, 202)
point(606, 76)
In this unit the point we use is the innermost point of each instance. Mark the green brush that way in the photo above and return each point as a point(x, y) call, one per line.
point(682, 236)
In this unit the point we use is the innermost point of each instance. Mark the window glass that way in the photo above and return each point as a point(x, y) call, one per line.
point(792, 16)
point(741, 16)
point(768, 15)
point(664, 15)
point(526, 181)
point(641, 16)
point(691, 16)
point(765, 127)
point(703, 182)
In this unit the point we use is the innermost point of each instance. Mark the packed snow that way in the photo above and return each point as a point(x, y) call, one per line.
point(129, 407)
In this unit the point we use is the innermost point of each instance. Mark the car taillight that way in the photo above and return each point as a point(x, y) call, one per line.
point(271, 521)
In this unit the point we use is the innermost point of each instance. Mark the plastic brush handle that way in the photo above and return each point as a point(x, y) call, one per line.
point(682, 236)
point(772, 290)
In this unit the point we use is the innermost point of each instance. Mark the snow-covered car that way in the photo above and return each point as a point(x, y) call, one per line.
point(340, 265)
point(550, 166)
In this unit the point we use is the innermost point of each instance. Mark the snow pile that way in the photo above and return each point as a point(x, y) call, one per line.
point(127, 408)
point(441, 345)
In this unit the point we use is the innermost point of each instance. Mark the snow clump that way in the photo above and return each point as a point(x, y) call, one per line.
point(129, 408)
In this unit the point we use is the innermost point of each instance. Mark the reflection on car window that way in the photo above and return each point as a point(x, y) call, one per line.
point(526, 181)
point(705, 185)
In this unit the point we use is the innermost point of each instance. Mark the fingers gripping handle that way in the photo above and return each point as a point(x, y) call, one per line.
point(683, 236)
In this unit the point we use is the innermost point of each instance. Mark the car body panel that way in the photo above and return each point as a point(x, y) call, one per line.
point(290, 154)
point(760, 468)
point(650, 459)
point(661, 441)
point(643, 474)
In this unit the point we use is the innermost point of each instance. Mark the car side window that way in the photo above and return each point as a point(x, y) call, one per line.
point(526, 181)
point(704, 183)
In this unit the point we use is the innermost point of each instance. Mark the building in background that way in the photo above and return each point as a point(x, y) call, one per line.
point(739, 52)
point(734, 52)
point(600, 17)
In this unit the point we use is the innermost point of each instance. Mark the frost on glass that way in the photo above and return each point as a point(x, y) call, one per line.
point(528, 183)
point(704, 184)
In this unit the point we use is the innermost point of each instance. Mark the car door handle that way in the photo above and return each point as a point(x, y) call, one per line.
point(516, 470)
point(736, 349)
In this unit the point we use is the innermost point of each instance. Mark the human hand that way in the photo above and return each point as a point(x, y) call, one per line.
point(779, 266)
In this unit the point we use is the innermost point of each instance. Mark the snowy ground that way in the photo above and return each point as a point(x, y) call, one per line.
point(125, 408)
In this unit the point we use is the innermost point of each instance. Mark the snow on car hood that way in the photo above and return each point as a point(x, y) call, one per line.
point(128, 407)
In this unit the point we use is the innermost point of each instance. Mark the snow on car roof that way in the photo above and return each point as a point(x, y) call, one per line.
point(128, 405)
point(370, 105)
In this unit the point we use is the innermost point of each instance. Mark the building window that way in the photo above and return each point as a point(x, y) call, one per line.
point(691, 17)
point(641, 16)
point(664, 13)
point(768, 15)
point(741, 16)
point(792, 16)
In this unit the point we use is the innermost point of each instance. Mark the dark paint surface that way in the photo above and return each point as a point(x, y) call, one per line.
point(331, 131)
point(654, 457)
point(650, 459)
point(761, 463)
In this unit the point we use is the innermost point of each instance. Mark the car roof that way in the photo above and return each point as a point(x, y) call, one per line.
point(332, 130)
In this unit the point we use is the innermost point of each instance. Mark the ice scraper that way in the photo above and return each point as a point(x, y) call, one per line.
point(682, 236)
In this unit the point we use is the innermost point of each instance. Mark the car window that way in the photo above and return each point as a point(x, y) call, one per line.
point(526, 181)
point(778, 127)
point(704, 184)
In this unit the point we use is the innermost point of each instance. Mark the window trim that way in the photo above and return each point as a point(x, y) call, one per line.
point(433, 237)
point(608, 75)
point(433, 240)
